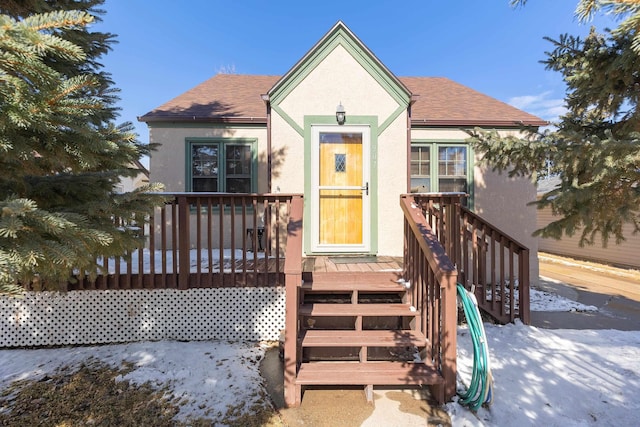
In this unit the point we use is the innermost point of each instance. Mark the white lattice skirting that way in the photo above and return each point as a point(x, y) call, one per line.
point(114, 316)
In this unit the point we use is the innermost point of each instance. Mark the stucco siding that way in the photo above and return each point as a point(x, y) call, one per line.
point(392, 181)
point(167, 163)
point(626, 254)
point(339, 78)
point(289, 161)
point(503, 202)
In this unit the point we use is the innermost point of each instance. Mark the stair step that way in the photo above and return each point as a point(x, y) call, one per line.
point(370, 373)
point(385, 281)
point(383, 286)
point(369, 338)
point(323, 310)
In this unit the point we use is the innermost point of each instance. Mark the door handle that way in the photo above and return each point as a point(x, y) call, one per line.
point(366, 188)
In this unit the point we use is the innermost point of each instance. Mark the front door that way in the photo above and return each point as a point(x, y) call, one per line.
point(340, 189)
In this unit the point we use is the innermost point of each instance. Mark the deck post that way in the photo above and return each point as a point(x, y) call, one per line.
point(184, 262)
point(292, 395)
point(293, 281)
point(449, 332)
point(524, 300)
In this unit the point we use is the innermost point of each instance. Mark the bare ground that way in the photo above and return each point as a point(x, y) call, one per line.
point(93, 395)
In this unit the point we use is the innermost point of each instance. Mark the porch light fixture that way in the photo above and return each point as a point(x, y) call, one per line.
point(340, 114)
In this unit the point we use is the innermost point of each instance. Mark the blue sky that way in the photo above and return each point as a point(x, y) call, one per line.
point(166, 47)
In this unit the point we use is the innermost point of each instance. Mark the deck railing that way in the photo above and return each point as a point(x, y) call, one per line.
point(492, 264)
point(204, 240)
point(432, 277)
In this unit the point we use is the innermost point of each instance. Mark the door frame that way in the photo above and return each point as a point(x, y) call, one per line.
point(316, 246)
point(372, 123)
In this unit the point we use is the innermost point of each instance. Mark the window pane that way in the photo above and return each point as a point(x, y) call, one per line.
point(452, 161)
point(238, 159)
point(452, 169)
point(205, 184)
point(420, 185)
point(238, 185)
point(453, 185)
point(204, 160)
point(420, 168)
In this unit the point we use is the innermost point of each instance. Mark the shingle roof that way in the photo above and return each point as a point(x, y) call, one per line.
point(438, 102)
point(226, 97)
point(441, 101)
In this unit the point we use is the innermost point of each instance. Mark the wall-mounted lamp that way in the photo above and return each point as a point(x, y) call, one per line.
point(341, 115)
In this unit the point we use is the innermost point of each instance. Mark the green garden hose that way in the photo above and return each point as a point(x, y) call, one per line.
point(480, 391)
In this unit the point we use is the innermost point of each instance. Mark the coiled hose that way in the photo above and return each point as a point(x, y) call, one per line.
point(480, 391)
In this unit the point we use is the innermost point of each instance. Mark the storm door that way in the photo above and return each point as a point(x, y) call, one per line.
point(340, 189)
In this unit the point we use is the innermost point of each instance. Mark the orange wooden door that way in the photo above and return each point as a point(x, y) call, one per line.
point(340, 188)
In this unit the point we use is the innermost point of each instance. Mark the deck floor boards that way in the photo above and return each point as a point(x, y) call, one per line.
point(324, 264)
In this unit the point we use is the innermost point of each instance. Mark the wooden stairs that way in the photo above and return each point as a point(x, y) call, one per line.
point(359, 328)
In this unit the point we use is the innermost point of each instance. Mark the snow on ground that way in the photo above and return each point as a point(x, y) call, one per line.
point(206, 376)
point(201, 257)
point(546, 301)
point(541, 377)
point(555, 377)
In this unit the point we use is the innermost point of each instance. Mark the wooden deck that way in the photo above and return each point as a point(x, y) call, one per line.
point(354, 264)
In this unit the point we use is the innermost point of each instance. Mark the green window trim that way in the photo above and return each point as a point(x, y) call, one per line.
point(222, 163)
point(432, 166)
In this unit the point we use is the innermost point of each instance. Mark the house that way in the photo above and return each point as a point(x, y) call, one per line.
point(350, 135)
point(623, 255)
point(130, 183)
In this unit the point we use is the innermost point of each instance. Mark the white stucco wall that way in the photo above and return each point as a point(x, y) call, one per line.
point(340, 78)
point(167, 164)
point(128, 184)
point(392, 182)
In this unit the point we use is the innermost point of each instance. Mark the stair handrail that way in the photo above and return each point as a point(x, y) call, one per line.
point(432, 277)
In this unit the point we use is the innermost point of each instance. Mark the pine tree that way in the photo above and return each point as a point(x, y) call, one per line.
point(60, 152)
point(595, 147)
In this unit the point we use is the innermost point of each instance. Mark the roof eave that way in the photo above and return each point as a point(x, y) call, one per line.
point(196, 119)
point(478, 123)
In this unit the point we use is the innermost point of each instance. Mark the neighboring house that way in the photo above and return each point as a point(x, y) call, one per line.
point(128, 183)
point(254, 133)
point(622, 255)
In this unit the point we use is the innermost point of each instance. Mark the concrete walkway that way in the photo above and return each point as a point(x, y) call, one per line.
point(614, 291)
point(348, 407)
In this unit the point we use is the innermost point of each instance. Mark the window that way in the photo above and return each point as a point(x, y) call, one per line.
point(420, 168)
point(452, 169)
point(437, 167)
point(220, 166)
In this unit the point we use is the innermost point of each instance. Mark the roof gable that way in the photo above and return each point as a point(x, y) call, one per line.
point(340, 35)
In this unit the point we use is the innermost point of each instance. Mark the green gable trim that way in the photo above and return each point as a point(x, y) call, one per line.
point(340, 36)
point(287, 118)
point(372, 122)
point(401, 109)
